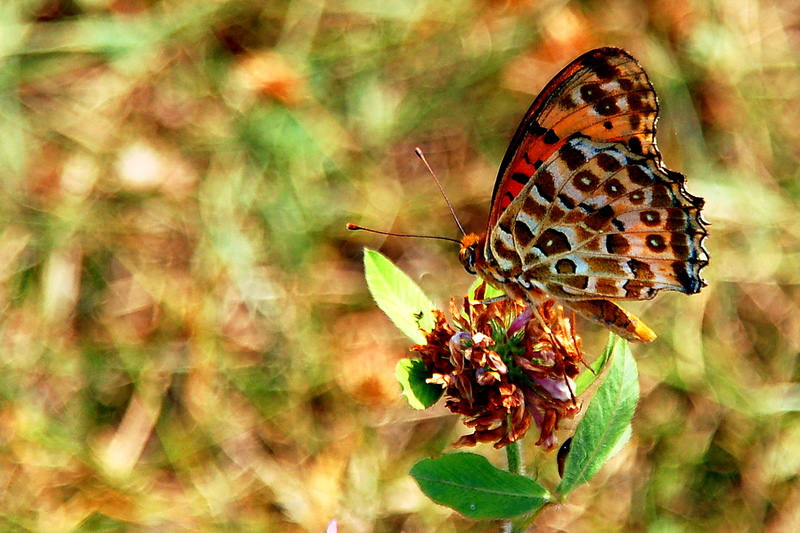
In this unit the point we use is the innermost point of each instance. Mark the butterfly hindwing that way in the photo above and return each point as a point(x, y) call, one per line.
point(603, 222)
point(611, 316)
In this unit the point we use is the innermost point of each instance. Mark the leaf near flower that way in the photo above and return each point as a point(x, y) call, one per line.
point(468, 483)
point(398, 296)
point(412, 373)
point(598, 366)
point(606, 426)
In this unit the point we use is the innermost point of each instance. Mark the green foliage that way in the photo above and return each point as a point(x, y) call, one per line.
point(411, 374)
point(470, 484)
point(585, 379)
point(398, 296)
point(605, 427)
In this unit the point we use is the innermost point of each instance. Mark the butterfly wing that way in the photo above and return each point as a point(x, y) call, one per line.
point(598, 221)
point(604, 94)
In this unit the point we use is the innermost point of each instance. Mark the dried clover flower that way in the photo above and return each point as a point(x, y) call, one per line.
point(504, 367)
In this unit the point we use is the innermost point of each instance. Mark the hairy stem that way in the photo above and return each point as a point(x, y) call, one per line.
point(515, 466)
point(514, 457)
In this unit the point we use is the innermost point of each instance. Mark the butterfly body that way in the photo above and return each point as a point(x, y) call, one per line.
point(583, 209)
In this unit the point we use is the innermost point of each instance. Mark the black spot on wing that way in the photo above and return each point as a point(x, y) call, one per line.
point(640, 269)
point(650, 218)
point(599, 64)
point(635, 145)
point(691, 283)
point(552, 242)
point(614, 188)
point(655, 243)
point(534, 128)
point(600, 218)
point(635, 102)
point(520, 178)
point(639, 176)
point(566, 266)
point(551, 137)
point(637, 197)
point(545, 185)
point(523, 234)
point(568, 202)
point(573, 157)
point(679, 243)
point(661, 196)
point(608, 162)
point(607, 107)
point(585, 181)
point(677, 219)
point(617, 244)
point(591, 93)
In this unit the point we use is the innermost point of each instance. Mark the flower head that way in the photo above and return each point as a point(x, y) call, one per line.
point(505, 366)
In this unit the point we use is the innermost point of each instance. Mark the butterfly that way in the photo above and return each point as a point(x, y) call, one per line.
point(583, 209)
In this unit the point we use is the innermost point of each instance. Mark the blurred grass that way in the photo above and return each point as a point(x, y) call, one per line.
point(188, 343)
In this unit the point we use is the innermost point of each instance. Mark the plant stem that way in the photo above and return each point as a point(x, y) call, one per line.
point(513, 455)
point(515, 466)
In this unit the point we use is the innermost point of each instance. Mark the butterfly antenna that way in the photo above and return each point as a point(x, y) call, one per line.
point(419, 153)
point(356, 227)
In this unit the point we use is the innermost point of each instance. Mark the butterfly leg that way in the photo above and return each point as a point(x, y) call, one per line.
point(540, 318)
point(487, 301)
point(610, 315)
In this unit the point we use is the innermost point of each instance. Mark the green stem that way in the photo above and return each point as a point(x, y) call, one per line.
point(513, 454)
point(515, 466)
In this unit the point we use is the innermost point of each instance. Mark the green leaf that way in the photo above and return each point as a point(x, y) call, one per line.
point(605, 427)
point(469, 484)
point(411, 373)
point(585, 379)
point(398, 296)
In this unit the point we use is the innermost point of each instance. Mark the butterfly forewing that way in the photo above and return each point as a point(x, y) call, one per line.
point(604, 94)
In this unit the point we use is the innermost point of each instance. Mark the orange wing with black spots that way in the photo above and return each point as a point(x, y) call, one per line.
point(584, 210)
point(604, 95)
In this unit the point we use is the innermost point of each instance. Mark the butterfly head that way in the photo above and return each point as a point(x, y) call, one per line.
point(471, 254)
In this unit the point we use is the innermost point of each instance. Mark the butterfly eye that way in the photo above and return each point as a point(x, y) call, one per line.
point(469, 259)
point(471, 246)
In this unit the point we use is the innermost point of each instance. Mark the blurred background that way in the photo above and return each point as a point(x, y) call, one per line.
point(187, 339)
